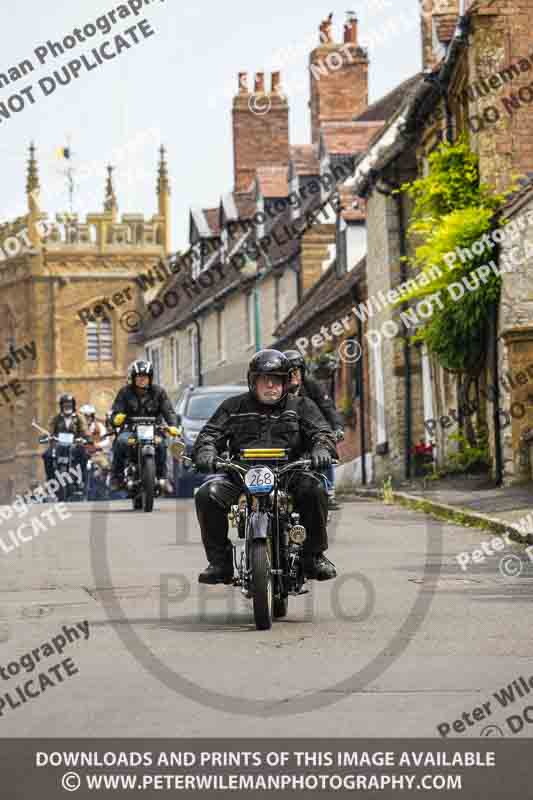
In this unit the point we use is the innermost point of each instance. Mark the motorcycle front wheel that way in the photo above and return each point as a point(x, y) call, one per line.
point(148, 484)
point(262, 585)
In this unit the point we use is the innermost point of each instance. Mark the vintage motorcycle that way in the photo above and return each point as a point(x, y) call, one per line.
point(140, 473)
point(62, 457)
point(268, 554)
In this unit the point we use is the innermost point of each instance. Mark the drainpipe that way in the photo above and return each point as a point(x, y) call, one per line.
point(362, 430)
point(199, 351)
point(406, 345)
point(498, 459)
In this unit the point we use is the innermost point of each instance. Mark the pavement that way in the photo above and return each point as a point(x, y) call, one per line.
point(469, 499)
point(401, 642)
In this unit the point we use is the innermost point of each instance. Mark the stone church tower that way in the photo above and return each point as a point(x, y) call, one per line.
point(67, 290)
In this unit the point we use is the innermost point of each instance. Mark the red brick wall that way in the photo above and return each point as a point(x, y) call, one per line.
point(342, 93)
point(259, 139)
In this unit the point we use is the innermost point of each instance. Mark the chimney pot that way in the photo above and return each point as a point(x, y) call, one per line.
point(243, 83)
point(259, 83)
point(275, 81)
point(350, 30)
point(326, 35)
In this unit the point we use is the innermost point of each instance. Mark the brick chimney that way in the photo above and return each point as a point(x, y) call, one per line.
point(260, 128)
point(339, 77)
point(438, 19)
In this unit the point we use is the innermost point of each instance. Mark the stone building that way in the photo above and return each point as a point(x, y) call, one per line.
point(476, 83)
point(66, 294)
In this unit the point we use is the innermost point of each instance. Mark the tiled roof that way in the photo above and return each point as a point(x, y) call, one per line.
point(273, 181)
point(318, 298)
point(346, 138)
point(284, 232)
point(385, 107)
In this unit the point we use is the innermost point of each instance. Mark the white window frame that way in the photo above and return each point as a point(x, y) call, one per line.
point(175, 359)
point(95, 326)
point(221, 336)
point(157, 363)
point(250, 318)
point(193, 350)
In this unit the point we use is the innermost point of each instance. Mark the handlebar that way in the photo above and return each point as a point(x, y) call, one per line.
point(304, 463)
point(52, 438)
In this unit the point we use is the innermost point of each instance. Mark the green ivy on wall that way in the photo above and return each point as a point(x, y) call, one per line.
point(452, 209)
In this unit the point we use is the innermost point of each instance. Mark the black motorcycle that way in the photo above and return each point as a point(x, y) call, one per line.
point(63, 460)
point(140, 473)
point(268, 555)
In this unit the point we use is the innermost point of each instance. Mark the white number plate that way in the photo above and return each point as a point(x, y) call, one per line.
point(259, 480)
point(66, 438)
point(145, 432)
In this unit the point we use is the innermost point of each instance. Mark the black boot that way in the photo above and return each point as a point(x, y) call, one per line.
point(217, 573)
point(319, 568)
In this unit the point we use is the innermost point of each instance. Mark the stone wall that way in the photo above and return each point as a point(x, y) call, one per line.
point(515, 349)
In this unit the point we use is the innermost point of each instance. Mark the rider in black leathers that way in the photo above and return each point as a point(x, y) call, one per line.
point(140, 398)
point(68, 421)
point(305, 386)
point(265, 416)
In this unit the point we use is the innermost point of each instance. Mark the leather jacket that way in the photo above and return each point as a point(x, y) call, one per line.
point(311, 388)
point(77, 426)
point(294, 423)
point(153, 402)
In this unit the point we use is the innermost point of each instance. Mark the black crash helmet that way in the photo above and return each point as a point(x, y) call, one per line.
point(269, 362)
point(67, 398)
point(140, 367)
point(296, 360)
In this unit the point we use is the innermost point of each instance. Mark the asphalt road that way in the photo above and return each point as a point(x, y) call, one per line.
point(401, 642)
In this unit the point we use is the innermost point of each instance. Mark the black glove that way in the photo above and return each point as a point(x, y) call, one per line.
point(339, 434)
point(206, 462)
point(321, 459)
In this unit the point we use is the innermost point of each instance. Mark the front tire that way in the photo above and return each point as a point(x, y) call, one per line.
point(262, 585)
point(148, 484)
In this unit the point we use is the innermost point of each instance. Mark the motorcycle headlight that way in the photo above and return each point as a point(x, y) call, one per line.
point(297, 534)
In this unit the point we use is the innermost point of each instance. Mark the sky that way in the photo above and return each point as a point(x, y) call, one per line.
point(174, 87)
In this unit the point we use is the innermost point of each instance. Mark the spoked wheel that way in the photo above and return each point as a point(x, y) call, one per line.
point(148, 484)
point(262, 585)
point(281, 607)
